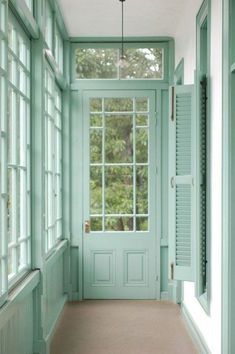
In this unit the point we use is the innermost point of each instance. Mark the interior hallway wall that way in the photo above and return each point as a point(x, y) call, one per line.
point(208, 325)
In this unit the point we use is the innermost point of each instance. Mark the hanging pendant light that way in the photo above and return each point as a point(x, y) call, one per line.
point(122, 60)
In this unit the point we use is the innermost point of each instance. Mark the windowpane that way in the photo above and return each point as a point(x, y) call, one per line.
point(142, 190)
point(96, 139)
point(118, 104)
point(119, 190)
point(141, 145)
point(118, 139)
point(96, 190)
point(143, 63)
point(49, 26)
point(120, 223)
point(94, 63)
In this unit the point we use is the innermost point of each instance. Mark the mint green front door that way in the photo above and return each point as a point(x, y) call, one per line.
point(120, 216)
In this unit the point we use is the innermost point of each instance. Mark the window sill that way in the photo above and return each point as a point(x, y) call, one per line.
point(204, 302)
point(60, 247)
point(21, 290)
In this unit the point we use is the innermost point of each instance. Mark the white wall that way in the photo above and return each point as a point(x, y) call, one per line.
point(210, 326)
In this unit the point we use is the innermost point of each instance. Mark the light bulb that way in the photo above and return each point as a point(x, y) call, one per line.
point(122, 63)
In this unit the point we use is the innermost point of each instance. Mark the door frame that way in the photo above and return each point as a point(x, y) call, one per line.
point(77, 144)
point(228, 168)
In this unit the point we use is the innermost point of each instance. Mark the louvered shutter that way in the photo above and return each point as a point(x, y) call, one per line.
point(181, 183)
point(203, 181)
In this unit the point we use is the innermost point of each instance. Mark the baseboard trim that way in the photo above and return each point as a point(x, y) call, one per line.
point(194, 331)
point(164, 295)
point(53, 328)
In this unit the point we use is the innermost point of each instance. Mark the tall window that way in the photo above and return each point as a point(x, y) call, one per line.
point(18, 151)
point(53, 161)
point(3, 149)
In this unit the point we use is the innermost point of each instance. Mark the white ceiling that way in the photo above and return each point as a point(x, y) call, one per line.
point(98, 18)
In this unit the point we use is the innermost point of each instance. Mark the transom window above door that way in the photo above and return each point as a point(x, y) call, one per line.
point(119, 164)
point(102, 61)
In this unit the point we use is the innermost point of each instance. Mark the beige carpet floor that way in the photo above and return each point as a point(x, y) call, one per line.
point(122, 327)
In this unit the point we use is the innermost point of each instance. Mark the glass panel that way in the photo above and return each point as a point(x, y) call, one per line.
point(3, 6)
point(3, 54)
point(143, 63)
point(96, 105)
point(142, 224)
point(142, 104)
point(10, 219)
point(96, 120)
point(118, 190)
point(96, 137)
point(141, 120)
point(10, 261)
point(141, 145)
point(118, 105)
point(94, 63)
point(118, 139)
point(95, 190)
point(96, 223)
point(120, 223)
point(141, 189)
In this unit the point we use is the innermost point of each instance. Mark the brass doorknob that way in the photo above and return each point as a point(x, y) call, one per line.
point(87, 226)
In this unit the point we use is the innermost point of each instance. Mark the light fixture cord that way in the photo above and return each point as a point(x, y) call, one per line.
point(122, 30)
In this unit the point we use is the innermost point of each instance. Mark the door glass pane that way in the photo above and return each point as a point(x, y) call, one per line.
point(96, 145)
point(118, 104)
point(119, 164)
point(142, 145)
point(120, 223)
point(118, 190)
point(96, 189)
point(141, 190)
point(118, 138)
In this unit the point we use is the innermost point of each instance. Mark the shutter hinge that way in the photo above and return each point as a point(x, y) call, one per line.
point(156, 170)
point(172, 271)
point(157, 278)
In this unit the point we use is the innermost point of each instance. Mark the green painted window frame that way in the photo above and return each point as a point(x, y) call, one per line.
point(203, 73)
point(129, 43)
